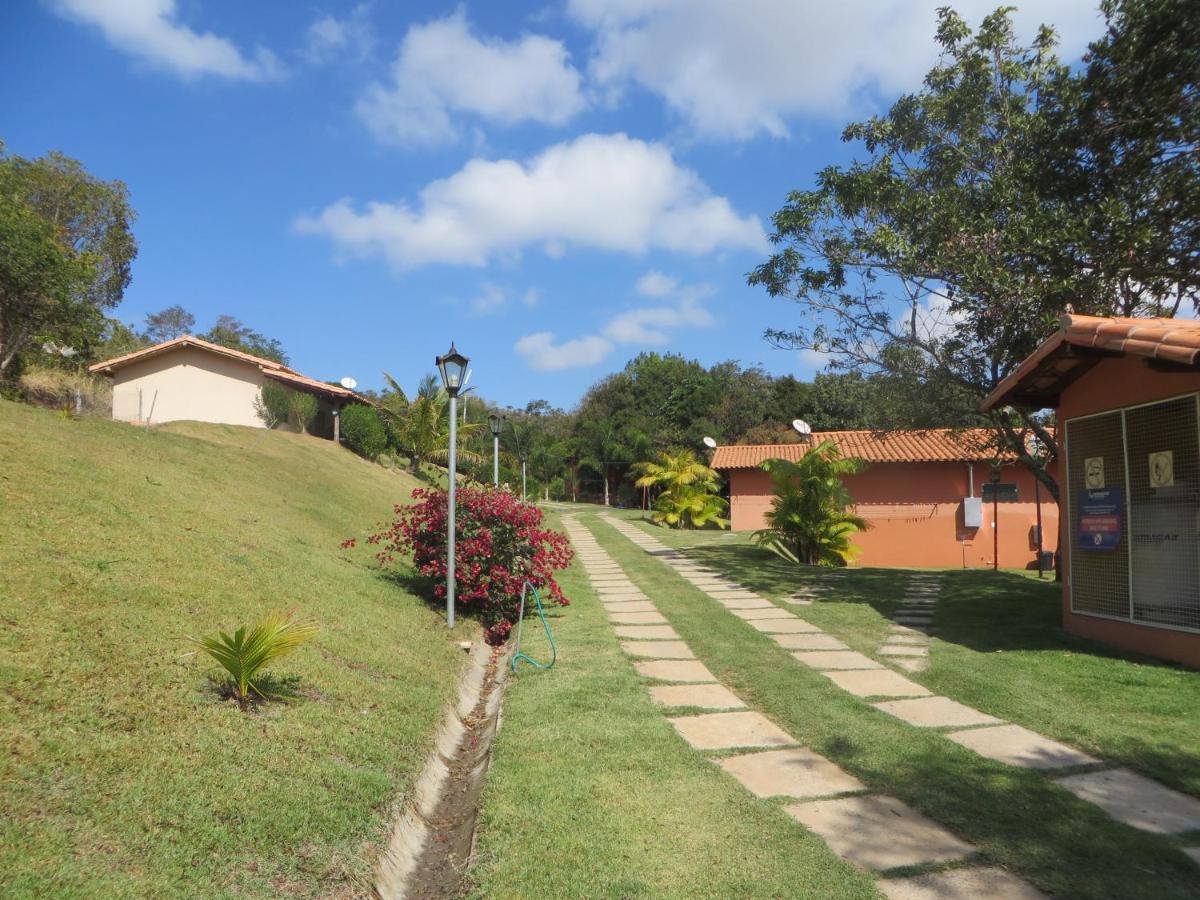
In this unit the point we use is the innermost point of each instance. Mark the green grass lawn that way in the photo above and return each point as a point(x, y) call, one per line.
point(999, 649)
point(123, 774)
point(592, 793)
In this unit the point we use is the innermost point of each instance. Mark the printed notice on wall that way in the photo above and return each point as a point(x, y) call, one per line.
point(1162, 469)
point(1093, 471)
point(1100, 518)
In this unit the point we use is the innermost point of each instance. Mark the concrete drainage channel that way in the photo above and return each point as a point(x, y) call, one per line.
point(433, 839)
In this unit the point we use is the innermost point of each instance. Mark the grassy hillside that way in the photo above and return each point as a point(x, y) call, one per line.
point(123, 774)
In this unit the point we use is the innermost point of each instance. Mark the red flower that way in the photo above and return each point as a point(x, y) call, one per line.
point(500, 544)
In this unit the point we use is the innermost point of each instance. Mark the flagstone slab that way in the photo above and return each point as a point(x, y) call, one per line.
point(706, 696)
point(912, 629)
point(637, 618)
point(744, 602)
point(879, 832)
point(770, 611)
point(734, 595)
point(876, 683)
point(658, 649)
point(674, 670)
point(914, 620)
point(623, 597)
point(915, 640)
point(647, 632)
point(630, 606)
point(961, 884)
point(936, 712)
point(836, 659)
point(798, 773)
point(1019, 746)
point(813, 641)
point(784, 626)
point(1136, 800)
point(902, 650)
point(916, 664)
point(1193, 852)
point(723, 731)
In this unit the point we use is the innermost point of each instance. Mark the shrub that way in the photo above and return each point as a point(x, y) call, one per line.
point(302, 409)
point(272, 404)
point(247, 653)
point(808, 521)
point(68, 391)
point(363, 430)
point(688, 497)
point(500, 545)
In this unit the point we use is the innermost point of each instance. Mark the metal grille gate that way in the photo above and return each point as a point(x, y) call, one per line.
point(1152, 574)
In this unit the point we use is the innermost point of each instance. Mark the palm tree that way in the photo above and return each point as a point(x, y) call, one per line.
point(808, 521)
point(688, 495)
point(420, 426)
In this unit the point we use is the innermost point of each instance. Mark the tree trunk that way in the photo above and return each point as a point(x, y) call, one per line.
point(606, 488)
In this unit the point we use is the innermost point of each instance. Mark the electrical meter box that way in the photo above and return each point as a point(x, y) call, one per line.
point(972, 512)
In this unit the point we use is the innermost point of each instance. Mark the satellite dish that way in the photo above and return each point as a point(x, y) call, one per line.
point(710, 443)
point(349, 383)
point(801, 426)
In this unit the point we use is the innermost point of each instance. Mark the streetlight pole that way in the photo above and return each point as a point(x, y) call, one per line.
point(496, 424)
point(453, 367)
point(995, 517)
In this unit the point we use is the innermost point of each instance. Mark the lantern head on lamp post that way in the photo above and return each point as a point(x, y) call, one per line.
point(453, 368)
point(496, 425)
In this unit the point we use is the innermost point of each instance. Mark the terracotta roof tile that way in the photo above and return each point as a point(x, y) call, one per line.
point(1040, 377)
point(268, 367)
point(936, 445)
point(185, 341)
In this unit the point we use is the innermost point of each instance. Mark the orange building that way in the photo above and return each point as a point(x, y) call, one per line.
point(1127, 394)
point(927, 495)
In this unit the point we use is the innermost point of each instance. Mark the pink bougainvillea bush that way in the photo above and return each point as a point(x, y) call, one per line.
point(499, 545)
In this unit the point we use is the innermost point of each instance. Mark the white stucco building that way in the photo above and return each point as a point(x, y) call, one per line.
point(191, 378)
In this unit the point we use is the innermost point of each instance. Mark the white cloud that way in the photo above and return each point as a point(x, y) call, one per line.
point(655, 284)
point(648, 325)
point(814, 359)
point(736, 70)
point(147, 29)
point(541, 353)
point(330, 38)
point(489, 299)
point(606, 192)
point(443, 69)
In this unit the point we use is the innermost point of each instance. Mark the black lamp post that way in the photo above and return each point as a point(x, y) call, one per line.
point(995, 516)
point(453, 368)
point(496, 424)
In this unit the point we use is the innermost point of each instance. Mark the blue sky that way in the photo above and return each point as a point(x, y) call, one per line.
point(556, 187)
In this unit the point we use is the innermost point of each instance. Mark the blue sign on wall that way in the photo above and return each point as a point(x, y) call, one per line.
point(1100, 518)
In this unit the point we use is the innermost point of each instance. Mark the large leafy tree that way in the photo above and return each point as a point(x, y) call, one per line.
point(810, 521)
point(168, 324)
point(941, 259)
point(228, 331)
point(67, 245)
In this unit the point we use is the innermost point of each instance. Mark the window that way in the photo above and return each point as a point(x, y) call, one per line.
point(999, 493)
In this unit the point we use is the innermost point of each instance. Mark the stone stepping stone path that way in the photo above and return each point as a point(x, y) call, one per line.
point(906, 646)
point(875, 831)
point(777, 765)
point(1126, 796)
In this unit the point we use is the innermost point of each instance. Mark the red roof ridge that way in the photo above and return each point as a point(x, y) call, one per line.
point(182, 341)
point(897, 445)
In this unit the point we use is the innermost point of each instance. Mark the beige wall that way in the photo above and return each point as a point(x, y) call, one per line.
point(190, 384)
